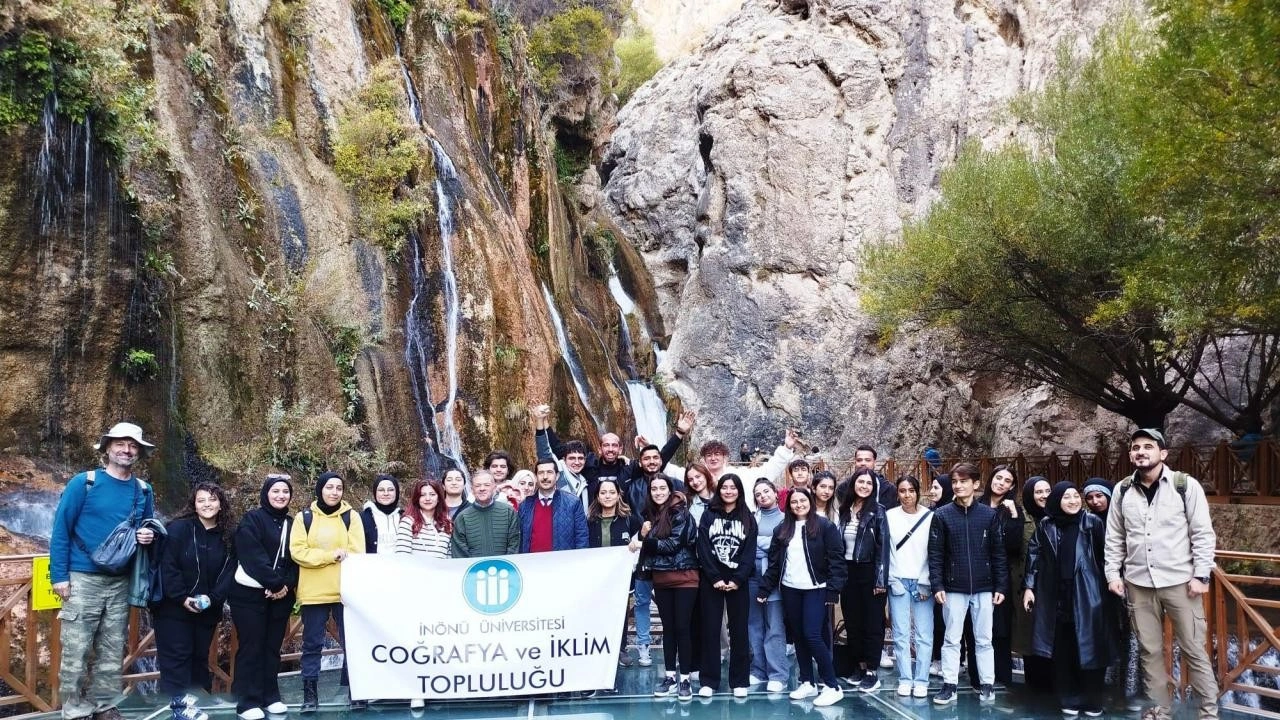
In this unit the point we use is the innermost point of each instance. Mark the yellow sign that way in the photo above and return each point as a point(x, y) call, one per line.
point(42, 595)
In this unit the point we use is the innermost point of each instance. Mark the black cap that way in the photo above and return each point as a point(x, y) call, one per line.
point(1150, 433)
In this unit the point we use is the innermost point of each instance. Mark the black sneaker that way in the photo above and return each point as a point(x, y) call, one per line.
point(986, 694)
point(870, 682)
point(946, 695)
point(666, 687)
point(685, 691)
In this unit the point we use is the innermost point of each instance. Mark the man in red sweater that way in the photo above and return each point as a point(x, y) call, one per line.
point(551, 519)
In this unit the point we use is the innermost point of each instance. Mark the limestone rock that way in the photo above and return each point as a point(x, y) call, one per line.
point(752, 173)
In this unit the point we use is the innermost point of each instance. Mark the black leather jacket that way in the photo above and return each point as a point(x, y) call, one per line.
point(871, 544)
point(676, 551)
point(1092, 607)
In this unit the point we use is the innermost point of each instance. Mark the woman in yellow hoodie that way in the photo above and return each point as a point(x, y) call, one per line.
point(322, 537)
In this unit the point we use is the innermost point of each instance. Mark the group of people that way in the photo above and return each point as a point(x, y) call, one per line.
point(745, 559)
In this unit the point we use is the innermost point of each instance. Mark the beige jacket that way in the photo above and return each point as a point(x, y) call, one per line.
point(1159, 544)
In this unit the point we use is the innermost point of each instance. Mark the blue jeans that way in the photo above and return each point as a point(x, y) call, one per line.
point(768, 638)
point(314, 619)
point(978, 607)
point(806, 612)
point(643, 598)
point(906, 607)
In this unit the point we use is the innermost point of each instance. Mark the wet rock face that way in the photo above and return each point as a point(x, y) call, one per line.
point(750, 175)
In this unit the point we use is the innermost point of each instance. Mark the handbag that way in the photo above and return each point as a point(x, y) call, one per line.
point(115, 552)
point(245, 579)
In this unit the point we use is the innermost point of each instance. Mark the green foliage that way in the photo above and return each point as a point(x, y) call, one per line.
point(603, 244)
point(345, 342)
point(139, 365)
point(571, 162)
point(638, 61)
point(309, 442)
point(466, 19)
point(576, 39)
point(32, 68)
point(398, 11)
point(375, 153)
point(508, 357)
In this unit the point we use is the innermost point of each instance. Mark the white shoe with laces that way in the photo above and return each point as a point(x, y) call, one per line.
point(828, 696)
point(805, 691)
point(904, 688)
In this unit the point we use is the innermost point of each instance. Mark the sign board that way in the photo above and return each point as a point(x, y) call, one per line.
point(488, 627)
point(42, 595)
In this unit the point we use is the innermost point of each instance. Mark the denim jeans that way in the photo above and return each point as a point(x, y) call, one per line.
point(906, 608)
point(643, 599)
point(978, 607)
point(315, 618)
point(807, 614)
point(768, 638)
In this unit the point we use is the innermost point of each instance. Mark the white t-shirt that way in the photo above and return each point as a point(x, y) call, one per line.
point(912, 560)
point(796, 573)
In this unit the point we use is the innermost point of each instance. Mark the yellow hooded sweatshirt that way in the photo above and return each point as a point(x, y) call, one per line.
point(319, 575)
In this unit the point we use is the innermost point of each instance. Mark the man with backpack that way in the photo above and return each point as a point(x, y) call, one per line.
point(1159, 555)
point(97, 506)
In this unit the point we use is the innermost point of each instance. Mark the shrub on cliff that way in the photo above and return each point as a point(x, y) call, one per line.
point(637, 62)
point(570, 43)
point(376, 154)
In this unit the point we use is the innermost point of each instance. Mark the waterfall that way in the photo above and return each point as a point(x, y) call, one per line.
point(419, 350)
point(626, 350)
point(646, 404)
point(410, 90)
point(649, 410)
point(570, 357)
point(29, 512)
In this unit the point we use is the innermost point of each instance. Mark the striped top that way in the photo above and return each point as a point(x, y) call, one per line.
point(429, 541)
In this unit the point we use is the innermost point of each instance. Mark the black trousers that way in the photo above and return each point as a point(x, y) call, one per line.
point(714, 604)
point(863, 612)
point(676, 607)
point(1077, 688)
point(260, 628)
point(182, 654)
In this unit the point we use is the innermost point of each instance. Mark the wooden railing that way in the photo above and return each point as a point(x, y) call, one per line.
point(1253, 623)
point(31, 650)
point(1248, 474)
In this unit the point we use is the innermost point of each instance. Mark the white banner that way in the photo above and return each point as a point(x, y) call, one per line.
point(511, 625)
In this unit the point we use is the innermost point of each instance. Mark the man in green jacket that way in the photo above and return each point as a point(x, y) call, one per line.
point(485, 528)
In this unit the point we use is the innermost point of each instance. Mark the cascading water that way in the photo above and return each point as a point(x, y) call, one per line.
point(29, 512)
point(570, 357)
point(646, 405)
point(448, 188)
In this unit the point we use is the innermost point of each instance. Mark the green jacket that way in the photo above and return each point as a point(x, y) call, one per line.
point(486, 531)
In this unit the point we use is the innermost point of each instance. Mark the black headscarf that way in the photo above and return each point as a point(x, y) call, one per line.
point(944, 481)
point(320, 503)
point(1069, 525)
point(266, 504)
point(1029, 505)
point(394, 504)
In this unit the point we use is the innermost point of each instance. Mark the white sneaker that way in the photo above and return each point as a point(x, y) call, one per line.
point(886, 661)
point(775, 686)
point(828, 696)
point(935, 668)
point(753, 681)
point(417, 704)
point(706, 691)
point(904, 688)
point(277, 708)
point(921, 690)
point(740, 692)
point(806, 690)
point(251, 714)
point(643, 657)
point(695, 676)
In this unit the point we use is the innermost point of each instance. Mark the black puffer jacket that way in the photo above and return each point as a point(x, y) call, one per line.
point(824, 552)
point(871, 544)
point(195, 562)
point(966, 550)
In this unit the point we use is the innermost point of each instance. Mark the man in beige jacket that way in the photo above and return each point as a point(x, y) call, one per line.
point(1159, 555)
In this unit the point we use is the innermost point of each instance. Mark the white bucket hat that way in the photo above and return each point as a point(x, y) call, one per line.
point(124, 431)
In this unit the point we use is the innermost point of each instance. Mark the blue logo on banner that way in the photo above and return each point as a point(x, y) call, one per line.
point(492, 586)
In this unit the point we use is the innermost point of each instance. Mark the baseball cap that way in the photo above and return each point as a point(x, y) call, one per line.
point(1150, 433)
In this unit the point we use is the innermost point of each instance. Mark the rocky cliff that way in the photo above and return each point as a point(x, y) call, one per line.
point(751, 173)
point(330, 238)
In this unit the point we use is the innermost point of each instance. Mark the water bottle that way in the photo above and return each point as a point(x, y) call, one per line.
point(202, 602)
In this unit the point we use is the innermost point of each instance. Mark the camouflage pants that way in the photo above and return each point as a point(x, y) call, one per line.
point(94, 621)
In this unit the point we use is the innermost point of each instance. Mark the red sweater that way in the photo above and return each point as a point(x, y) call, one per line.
point(540, 541)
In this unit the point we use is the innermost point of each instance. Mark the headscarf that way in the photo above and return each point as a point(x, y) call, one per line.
point(1069, 525)
point(394, 504)
point(944, 480)
point(320, 483)
point(1029, 505)
point(1096, 484)
point(266, 504)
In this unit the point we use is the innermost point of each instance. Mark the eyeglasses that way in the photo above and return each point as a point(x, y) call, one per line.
point(278, 476)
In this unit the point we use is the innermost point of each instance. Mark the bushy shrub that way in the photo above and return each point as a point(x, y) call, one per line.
point(577, 39)
point(638, 61)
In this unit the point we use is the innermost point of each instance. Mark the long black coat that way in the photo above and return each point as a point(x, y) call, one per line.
point(1093, 613)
